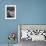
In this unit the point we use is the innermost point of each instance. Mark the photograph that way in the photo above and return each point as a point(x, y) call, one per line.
point(10, 11)
point(28, 33)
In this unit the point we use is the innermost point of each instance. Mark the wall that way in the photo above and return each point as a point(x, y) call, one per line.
point(27, 12)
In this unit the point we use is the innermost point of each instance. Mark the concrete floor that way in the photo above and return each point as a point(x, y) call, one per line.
point(7, 45)
point(28, 43)
point(32, 43)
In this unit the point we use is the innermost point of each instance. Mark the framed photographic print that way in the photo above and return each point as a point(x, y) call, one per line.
point(33, 32)
point(10, 11)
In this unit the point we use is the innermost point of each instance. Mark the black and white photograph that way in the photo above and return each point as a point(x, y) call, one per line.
point(29, 35)
point(10, 11)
